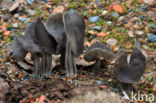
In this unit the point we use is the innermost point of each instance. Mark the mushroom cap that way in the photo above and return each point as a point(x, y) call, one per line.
point(98, 51)
point(132, 72)
point(17, 51)
point(74, 27)
point(42, 38)
point(28, 40)
point(54, 26)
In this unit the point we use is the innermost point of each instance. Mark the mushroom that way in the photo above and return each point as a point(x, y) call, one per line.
point(68, 30)
point(39, 43)
point(98, 52)
point(54, 25)
point(130, 72)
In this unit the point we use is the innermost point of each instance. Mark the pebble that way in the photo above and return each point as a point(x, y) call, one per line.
point(5, 19)
point(109, 22)
point(139, 32)
point(16, 15)
point(31, 12)
point(15, 25)
point(131, 34)
point(152, 38)
point(70, 11)
point(94, 18)
point(25, 20)
point(104, 13)
point(111, 41)
point(151, 14)
point(121, 18)
point(98, 28)
point(125, 21)
point(30, 1)
point(115, 15)
point(99, 82)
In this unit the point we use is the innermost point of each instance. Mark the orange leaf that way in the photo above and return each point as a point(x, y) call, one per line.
point(109, 8)
point(101, 34)
point(43, 98)
point(7, 33)
point(140, 1)
point(154, 89)
point(20, 75)
point(118, 8)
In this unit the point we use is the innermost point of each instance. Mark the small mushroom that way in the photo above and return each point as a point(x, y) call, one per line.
point(98, 52)
point(39, 43)
point(130, 72)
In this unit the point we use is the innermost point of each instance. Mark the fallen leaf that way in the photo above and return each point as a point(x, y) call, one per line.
point(118, 8)
point(7, 33)
point(102, 34)
point(140, 1)
point(110, 8)
point(111, 42)
point(20, 75)
point(58, 9)
point(149, 1)
point(14, 6)
point(128, 25)
point(43, 99)
point(48, 6)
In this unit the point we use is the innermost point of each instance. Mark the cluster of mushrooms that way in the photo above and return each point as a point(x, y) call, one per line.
point(63, 33)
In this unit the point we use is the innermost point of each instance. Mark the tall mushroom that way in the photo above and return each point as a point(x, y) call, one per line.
point(74, 26)
point(39, 43)
point(130, 72)
point(68, 30)
point(98, 52)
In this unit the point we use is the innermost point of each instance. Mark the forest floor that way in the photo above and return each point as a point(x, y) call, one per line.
point(114, 22)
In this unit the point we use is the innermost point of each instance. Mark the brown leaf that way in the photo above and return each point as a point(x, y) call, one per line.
point(118, 8)
point(102, 34)
point(128, 25)
point(43, 98)
point(58, 9)
point(7, 33)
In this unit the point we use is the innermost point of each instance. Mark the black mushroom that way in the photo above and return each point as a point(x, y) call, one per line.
point(98, 52)
point(130, 72)
point(68, 30)
point(39, 43)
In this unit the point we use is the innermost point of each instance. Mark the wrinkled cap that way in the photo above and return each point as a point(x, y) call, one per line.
point(98, 51)
point(54, 26)
point(130, 72)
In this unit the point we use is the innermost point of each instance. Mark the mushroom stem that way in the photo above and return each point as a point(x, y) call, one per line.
point(74, 65)
point(49, 61)
point(36, 66)
point(66, 59)
point(44, 64)
point(97, 68)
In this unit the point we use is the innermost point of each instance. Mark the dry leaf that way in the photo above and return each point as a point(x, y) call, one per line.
point(43, 98)
point(7, 33)
point(102, 34)
point(140, 1)
point(109, 8)
point(20, 75)
point(118, 8)
point(58, 9)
